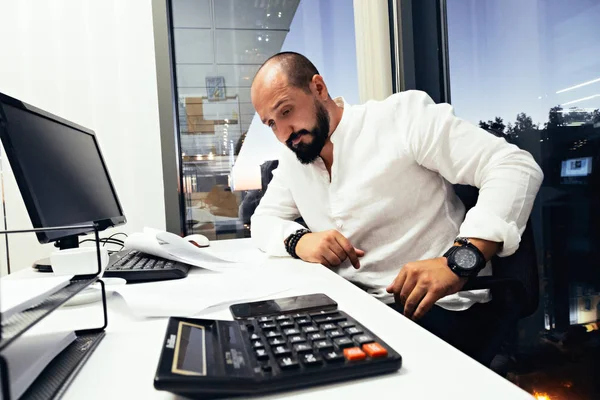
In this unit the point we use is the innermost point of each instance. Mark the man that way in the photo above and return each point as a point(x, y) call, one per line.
point(373, 183)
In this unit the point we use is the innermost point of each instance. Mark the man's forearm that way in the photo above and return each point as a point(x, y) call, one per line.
point(269, 233)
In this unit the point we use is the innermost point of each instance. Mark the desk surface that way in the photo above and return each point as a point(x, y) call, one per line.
point(124, 363)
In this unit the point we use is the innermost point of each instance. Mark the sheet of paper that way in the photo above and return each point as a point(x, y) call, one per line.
point(141, 241)
point(170, 246)
point(17, 295)
point(253, 256)
point(189, 296)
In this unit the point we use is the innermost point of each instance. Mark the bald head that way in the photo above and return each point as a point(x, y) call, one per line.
point(296, 69)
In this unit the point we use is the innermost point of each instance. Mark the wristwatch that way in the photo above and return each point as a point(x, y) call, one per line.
point(465, 260)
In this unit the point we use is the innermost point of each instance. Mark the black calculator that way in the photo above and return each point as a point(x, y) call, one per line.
point(269, 353)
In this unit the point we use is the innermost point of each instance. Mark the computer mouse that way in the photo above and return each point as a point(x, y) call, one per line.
point(198, 240)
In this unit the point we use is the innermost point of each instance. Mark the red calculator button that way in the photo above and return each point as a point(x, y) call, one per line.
point(375, 350)
point(354, 354)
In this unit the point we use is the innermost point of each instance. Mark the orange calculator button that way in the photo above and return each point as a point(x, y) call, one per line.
point(375, 350)
point(354, 353)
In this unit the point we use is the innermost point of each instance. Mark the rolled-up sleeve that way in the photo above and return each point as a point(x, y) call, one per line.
point(508, 178)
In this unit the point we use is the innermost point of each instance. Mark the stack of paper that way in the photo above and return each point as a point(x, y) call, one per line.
point(17, 295)
point(30, 354)
point(172, 247)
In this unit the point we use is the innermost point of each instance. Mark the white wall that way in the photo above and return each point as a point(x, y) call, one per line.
point(91, 62)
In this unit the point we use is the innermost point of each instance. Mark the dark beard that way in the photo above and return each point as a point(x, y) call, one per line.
point(308, 152)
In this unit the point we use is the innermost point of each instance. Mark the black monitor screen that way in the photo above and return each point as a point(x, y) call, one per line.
point(60, 171)
point(576, 167)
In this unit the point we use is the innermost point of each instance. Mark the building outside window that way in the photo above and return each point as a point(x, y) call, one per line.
point(531, 70)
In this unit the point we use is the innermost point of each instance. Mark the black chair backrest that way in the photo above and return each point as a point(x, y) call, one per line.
point(266, 172)
point(519, 269)
point(522, 266)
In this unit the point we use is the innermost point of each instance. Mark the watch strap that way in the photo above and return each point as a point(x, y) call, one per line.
point(450, 251)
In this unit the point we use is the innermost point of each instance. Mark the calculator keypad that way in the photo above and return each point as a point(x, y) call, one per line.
point(292, 342)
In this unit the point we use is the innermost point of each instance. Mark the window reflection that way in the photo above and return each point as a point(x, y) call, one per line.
point(218, 47)
point(531, 70)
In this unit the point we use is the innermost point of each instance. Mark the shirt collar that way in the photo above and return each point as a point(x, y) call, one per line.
point(344, 120)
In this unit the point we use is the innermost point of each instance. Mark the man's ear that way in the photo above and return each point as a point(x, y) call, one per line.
point(319, 87)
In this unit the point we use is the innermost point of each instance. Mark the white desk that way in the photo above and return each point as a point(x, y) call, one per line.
point(123, 365)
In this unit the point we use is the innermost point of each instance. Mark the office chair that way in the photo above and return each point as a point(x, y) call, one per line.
point(253, 197)
point(514, 282)
point(514, 285)
point(252, 200)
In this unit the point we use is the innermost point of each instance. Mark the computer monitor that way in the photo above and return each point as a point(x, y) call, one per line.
point(576, 167)
point(60, 172)
point(576, 170)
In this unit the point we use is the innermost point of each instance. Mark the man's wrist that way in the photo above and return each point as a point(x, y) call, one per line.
point(464, 258)
point(292, 241)
point(486, 247)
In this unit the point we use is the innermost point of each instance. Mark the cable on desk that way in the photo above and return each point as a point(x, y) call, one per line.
point(118, 233)
point(104, 241)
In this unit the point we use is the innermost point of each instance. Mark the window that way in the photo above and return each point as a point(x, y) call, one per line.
point(531, 69)
point(218, 47)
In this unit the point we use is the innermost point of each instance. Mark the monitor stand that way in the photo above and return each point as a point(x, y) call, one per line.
point(69, 242)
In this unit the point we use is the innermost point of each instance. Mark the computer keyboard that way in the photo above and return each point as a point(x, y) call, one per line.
point(134, 266)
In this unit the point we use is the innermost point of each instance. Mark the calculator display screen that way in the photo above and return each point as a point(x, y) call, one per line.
point(190, 350)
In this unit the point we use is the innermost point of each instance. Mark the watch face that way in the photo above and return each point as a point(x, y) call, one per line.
point(465, 258)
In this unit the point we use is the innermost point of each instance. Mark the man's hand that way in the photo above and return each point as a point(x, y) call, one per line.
point(420, 284)
point(329, 248)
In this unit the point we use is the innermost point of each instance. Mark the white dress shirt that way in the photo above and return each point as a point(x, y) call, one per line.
point(391, 194)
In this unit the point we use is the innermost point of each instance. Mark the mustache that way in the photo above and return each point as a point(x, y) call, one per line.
point(296, 135)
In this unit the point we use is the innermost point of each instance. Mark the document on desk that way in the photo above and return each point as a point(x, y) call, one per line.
point(172, 247)
point(17, 295)
point(197, 292)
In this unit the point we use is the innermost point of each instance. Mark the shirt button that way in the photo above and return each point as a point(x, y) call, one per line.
point(339, 223)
